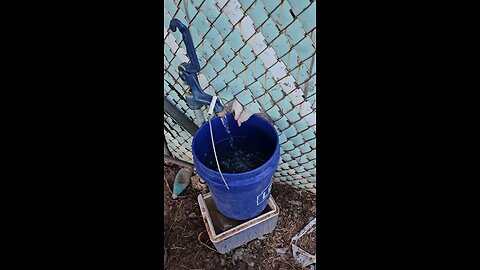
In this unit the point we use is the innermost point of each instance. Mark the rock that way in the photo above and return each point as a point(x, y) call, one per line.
point(289, 253)
point(238, 254)
point(261, 237)
point(196, 184)
point(281, 250)
point(242, 266)
point(296, 203)
point(192, 215)
point(222, 261)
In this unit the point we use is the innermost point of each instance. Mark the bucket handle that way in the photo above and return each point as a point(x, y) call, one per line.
point(210, 111)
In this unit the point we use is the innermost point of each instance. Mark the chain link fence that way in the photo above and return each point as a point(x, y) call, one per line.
point(261, 53)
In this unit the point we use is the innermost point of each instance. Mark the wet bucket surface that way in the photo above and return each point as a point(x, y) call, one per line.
point(249, 191)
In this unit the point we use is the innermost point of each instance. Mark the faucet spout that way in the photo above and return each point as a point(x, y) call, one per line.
point(188, 72)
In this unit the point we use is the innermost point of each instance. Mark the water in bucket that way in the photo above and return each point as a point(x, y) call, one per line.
point(237, 155)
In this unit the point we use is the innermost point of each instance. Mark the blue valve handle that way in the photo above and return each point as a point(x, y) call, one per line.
point(188, 71)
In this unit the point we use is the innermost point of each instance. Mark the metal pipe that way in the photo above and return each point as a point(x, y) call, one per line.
point(180, 117)
point(171, 160)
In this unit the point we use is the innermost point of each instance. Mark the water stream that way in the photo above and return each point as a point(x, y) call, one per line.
point(227, 129)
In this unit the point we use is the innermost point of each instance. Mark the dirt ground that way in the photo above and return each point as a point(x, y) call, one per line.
point(188, 245)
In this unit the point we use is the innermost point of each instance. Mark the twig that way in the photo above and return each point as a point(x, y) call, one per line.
point(189, 235)
point(169, 189)
point(175, 219)
point(198, 238)
point(284, 261)
point(196, 255)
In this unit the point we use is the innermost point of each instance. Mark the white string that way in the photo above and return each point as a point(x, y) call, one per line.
point(215, 153)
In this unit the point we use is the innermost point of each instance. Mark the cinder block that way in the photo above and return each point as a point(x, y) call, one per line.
point(171, 7)
point(218, 83)
point(223, 25)
point(281, 45)
point(256, 89)
point(295, 32)
point(305, 149)
point(282, 15)
point(269, 30)
point(291, 60)
point(209, 72)
point(227, 74)
point(309, 18)
point(285, 104)
point(267, 104)
point(308, 166)
point(244, 97)
point(267, 80)
point(300, 73)
point(297, 140)
point(246, 3)
point(205, 49)
point(253, 107)
point(274, 113)
point(293, 115)
point(276, 93)
point(311, 155)
point(235, 40)
point(226, 52)
point(282, 125)
point(214, 38)
point(236, 64)
point(210, 11)
point(247, 54)
point(286, 158)
point(293, 163)
point(258, 13)
point(270, 5)
point(298, 5)
point(306, 175)
point(288, 146)
point(308, 134)
point(305, 48)
point(299, 169)
point(217, 62)
point(312, 143)
point(200, 24)
point(303, 158)
point(234, 11)
point(295, 153)
point(257, 68)
point(289, 132)
point(237, 86)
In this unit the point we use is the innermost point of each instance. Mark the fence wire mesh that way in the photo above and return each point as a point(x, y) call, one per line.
point(261, 53)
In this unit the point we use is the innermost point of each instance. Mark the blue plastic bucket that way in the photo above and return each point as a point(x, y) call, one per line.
point(249, 191)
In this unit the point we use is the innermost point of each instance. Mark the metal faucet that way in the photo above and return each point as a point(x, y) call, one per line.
point(188, 73)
